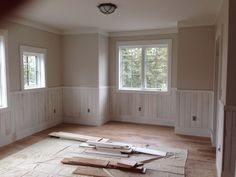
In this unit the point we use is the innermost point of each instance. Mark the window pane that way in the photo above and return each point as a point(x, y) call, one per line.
point(157, 68)
point(30, 71)
point(131, 67)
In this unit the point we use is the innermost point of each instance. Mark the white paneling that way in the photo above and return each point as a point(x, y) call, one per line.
point(30, 112)
point(194, 103)
point(155, 108)
point(104, 104)
point(220, 137)
point(77, 101)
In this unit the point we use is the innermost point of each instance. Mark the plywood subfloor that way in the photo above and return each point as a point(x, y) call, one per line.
point(201, 157)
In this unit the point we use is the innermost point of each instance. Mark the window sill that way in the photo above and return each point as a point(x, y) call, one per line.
point(4, 108)
point(147, 91)
point(34, 89)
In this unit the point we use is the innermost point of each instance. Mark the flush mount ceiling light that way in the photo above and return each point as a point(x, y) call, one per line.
point(107, 8)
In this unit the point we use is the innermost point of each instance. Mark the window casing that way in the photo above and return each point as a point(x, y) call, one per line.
point(33, 67)
point(144, 65)
point(3, 69)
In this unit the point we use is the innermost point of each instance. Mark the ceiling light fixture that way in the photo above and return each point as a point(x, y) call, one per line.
point(107, 8)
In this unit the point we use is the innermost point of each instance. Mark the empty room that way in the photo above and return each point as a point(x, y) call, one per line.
point(117, 88)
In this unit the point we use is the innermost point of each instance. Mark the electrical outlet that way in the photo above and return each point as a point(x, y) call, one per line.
point(194, 118)
point(139, 109)
point(88, 110)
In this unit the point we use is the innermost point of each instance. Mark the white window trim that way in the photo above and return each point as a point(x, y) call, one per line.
point(36, 50)
point(6, 105)
point(147, 43)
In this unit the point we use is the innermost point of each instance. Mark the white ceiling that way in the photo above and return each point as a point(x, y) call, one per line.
point(69, 15)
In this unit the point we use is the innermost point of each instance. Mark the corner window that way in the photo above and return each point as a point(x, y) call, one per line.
point(3, 68)
point(33, 67)
point(144, 65)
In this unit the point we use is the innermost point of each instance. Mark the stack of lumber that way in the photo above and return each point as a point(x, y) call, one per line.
point(97, 146)
point(112, 146)
point(122, 164)
point(122, 148)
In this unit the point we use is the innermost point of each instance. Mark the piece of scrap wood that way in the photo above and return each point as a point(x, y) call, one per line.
point(104, 140)
point(126, 162)
point(91, 171)
point(114, 164)
point(85, 162)
point(149, 151)
point(106, 153)
point(74, 136)
point(85, 145)
point(125, 151)
point(150, 159)
point(101, 164)
point(114, 145)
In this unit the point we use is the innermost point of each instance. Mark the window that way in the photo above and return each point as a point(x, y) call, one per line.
point(3, 68)
point(144, 65)
point(33, 67)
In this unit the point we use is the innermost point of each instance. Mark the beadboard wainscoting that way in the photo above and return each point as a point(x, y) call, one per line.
point(143, 107)
point(194, 113)
point(30, 112)
point(86, 105)
point(229, 165)
point(220, 137)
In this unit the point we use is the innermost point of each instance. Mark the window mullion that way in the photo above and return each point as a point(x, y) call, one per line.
point(27, 59)
point(143, 68)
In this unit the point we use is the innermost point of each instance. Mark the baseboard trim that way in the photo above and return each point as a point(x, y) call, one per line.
point(27, 132)
point(5, 140)
point(144, 120)
point(83, 121)
point(193, 132)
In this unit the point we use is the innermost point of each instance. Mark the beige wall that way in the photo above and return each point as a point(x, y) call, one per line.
point(24, 35)
point(196, 58)
point(103, 60)
point(112, 54)
point(80, 60)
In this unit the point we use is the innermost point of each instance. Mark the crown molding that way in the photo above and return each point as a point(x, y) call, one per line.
point(33, 24)
point(144, 32)
point(89, 30)
point(194, 24)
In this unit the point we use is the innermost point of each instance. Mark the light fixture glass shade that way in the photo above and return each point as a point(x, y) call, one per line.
point(107, 8)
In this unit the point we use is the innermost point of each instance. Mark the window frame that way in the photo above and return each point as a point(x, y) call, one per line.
point(4, 34)
point(143, 44)
point(42, 54)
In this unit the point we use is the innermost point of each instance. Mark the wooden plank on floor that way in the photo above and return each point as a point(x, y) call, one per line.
point(127, 162)
point(149, 151)
point(112, 145)
point(96, 152)
point(91, 171)
point(85, 162)
point(74, 136)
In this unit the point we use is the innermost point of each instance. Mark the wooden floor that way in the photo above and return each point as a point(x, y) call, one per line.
point(201, 157)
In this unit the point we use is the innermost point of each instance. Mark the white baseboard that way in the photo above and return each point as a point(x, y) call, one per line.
point(27, 132)
point(83, 121)
point(144, 120)
point(4, 140)
point(193, 132)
